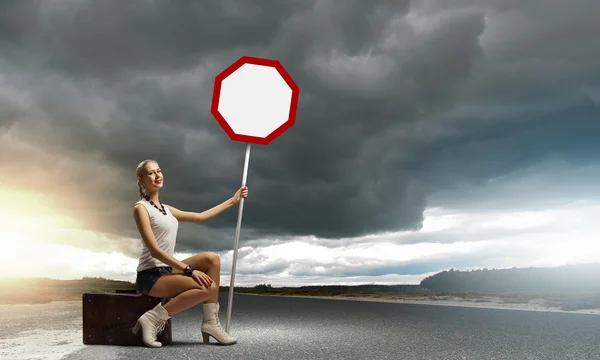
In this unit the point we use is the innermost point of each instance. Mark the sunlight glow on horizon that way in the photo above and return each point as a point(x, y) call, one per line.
point(30, 216)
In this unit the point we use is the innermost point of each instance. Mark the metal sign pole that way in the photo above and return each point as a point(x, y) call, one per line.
point(237, 237)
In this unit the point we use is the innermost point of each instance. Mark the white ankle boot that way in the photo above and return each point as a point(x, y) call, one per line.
point(212, 327)
point(152, 323)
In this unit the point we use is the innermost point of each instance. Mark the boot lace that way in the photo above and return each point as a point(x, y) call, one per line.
point(219, 324)
point(160, 327)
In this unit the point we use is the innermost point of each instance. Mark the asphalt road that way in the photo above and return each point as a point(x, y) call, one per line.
point(310, 328)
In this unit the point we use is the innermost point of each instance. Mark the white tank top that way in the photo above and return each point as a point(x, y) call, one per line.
point(165, 232)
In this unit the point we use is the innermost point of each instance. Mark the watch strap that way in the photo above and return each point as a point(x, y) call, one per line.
point(188, 270)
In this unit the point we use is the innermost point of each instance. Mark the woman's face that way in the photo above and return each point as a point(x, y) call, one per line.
point(154, 176)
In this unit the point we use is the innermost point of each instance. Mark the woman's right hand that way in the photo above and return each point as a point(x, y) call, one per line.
point(201, 278)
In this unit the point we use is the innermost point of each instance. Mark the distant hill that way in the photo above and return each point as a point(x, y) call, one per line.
point(562, 279)
point(569, 278)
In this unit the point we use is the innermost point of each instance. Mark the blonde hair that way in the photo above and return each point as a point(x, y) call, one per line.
point(140, 172)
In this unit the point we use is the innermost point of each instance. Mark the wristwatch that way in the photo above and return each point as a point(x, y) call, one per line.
point(188, 270)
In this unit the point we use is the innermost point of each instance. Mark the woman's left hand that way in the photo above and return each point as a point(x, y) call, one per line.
point(241, 193)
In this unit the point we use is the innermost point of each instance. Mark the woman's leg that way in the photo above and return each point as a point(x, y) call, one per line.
point(184, 291)
point(210, 263)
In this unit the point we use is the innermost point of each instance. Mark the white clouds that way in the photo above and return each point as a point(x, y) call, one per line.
point(26, 259)
point(559, 236)
point(494, 239)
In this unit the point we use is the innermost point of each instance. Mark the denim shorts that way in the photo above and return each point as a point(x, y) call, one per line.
point(147, 278)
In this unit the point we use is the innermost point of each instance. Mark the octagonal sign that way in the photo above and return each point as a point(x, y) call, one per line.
point(255, 100)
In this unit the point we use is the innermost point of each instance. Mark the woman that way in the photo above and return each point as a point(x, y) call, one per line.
point(189, 282)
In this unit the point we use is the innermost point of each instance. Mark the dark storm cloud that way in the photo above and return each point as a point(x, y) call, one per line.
point(114, 39)
point(395, 104)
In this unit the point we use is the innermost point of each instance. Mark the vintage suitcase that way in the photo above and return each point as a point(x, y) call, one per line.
point(108, 318)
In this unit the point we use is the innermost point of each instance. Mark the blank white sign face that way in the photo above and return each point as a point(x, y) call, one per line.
point(255, 100)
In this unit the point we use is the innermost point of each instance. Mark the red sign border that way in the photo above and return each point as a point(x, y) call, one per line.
point(217, 94)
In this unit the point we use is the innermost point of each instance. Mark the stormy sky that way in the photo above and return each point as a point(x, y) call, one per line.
point(430, 135)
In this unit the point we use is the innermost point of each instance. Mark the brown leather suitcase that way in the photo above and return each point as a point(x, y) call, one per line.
point(108, 318)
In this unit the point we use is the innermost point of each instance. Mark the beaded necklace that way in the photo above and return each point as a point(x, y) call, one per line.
point(157, 208)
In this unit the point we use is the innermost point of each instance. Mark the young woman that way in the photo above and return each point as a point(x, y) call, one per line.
point(189, 282)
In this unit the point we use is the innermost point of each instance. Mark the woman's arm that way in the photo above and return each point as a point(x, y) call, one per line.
point(143, 224)
point(188, 216)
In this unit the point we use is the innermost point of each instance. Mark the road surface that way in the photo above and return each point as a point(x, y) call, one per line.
point(311, 328)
